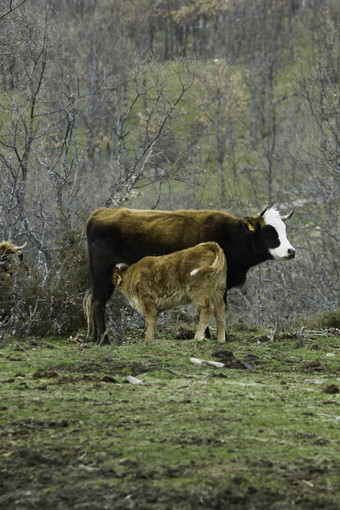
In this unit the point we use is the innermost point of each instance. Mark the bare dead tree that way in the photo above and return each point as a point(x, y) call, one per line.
point(21, 129)
point(137, 171)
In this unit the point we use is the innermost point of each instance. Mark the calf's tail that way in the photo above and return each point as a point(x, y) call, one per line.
point(217, 266)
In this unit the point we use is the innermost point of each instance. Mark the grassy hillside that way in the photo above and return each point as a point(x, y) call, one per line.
point(261, 432)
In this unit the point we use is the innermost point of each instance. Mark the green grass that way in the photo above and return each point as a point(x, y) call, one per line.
point(76, 434)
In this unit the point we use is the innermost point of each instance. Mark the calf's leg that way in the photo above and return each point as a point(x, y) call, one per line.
point(205, 312)
point(151, 314)
point(220, 316)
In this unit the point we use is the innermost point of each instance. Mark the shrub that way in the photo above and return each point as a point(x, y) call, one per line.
point(330, 319)
point(40, 303)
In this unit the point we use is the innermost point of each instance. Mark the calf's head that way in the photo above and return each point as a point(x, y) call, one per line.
point(270, 229)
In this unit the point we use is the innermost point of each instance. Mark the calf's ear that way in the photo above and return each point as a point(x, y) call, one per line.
point(117, 279)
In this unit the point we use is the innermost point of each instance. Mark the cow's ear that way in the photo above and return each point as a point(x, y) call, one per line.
point(251, 223)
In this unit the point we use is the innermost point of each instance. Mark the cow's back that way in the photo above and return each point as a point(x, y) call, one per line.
point(131, 234)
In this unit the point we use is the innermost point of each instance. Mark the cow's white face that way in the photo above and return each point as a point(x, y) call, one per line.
point(280, 247)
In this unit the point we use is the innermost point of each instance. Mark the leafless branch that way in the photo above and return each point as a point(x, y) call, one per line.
point(12, 7)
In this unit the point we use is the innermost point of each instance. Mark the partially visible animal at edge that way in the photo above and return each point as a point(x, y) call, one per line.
point(11, 259)
point(121, 235)
point(11, 263)
point(195, 275)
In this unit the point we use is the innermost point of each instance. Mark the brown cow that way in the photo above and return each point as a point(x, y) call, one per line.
point(127, 235)
point(195, 275)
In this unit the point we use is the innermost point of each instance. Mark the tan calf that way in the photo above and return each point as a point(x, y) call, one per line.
point(194, 275)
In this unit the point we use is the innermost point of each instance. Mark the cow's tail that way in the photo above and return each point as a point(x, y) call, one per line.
point(88, 311)
point(217, 266)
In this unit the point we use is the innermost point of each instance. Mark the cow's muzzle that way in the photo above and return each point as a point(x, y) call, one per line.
point(290, 253)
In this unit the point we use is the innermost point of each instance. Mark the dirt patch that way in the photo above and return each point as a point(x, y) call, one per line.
point(111, 366)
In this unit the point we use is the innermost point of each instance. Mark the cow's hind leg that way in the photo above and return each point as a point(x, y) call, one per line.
point(226, 307)
point(205, 312)
point(102, 288)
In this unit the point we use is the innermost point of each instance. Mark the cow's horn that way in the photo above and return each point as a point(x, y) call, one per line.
point(285, 218)
point(17, 248)
point(264, 210)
